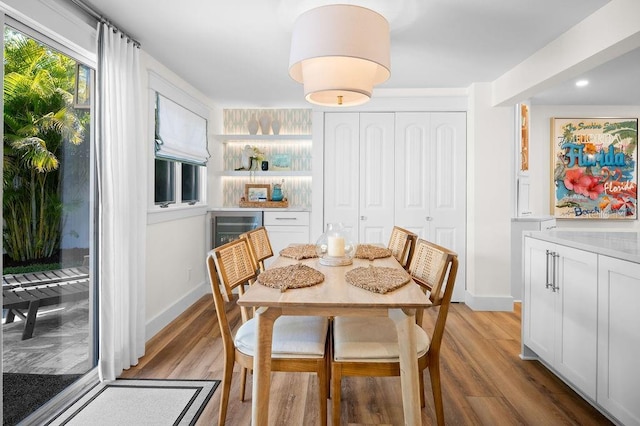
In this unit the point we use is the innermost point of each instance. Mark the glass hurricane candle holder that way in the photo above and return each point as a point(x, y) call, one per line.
point(334, 247)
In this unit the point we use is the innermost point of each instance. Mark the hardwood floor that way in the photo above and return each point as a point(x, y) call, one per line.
point(483, 379)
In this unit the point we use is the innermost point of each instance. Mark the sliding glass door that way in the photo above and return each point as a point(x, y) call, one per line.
point(48, 316)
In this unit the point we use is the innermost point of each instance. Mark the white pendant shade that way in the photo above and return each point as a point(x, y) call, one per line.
point(339, 52)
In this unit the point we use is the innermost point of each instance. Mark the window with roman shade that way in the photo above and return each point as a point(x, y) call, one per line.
point(181, 135)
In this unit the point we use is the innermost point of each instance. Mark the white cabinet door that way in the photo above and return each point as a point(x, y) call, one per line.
point(376, 178)
point(522, 195)
point(577, 317)
point(518, 226)
point(619, 339)
point(539, 301)
point(286, 228)
point(281, 236)
point(561, 310)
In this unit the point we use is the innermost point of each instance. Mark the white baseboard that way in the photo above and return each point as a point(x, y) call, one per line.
point(489, 303)
point(172, 312)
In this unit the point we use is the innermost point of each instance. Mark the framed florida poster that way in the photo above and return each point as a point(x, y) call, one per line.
point(595, 168)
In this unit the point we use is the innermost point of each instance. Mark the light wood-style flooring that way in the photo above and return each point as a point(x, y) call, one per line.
point(483, 379)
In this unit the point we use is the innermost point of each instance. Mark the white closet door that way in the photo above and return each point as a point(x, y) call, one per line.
point(431, 181)
point(342, 170)
point(413, 172)
point(376, 177)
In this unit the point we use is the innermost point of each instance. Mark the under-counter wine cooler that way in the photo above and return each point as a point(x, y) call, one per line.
point(226, 226)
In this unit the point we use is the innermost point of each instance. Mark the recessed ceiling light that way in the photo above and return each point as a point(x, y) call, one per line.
point(582, 83)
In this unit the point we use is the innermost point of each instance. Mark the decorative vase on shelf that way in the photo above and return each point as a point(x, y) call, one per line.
point(247, 160)
point(265, 124)
point(334, 247)
point(253, 125)
point(276, 194)
point(275, 126)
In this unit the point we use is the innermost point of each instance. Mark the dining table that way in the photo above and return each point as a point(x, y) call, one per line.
point(335, 297)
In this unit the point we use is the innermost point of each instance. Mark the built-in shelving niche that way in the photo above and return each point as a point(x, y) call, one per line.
point(294, 140)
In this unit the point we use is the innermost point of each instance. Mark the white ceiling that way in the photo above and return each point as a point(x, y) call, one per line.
point(237, 51)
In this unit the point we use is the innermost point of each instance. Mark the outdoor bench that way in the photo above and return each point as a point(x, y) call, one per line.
point(35, 290)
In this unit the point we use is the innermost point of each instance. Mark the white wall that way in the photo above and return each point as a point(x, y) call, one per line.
point(177, 242)
point(490, 142)
point(540, 160)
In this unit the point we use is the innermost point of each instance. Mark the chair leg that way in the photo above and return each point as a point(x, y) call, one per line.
point(434, 373)
point(243, 382)
point(329, 351)
point(323, 385)
point(421, 382)
point(336, 382)
point(226, 389)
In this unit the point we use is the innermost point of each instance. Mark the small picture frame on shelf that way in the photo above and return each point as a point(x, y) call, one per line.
point(257, 192)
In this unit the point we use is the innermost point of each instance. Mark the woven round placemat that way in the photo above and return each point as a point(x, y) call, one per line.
point(298, 252)
point(292, 276)
point(368, 251)
point(377, 279)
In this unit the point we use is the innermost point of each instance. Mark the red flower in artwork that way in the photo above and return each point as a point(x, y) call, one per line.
point(586, 185)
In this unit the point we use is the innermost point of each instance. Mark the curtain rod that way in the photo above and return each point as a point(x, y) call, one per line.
point(99, 17)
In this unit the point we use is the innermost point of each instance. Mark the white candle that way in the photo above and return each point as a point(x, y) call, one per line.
point(335, 246)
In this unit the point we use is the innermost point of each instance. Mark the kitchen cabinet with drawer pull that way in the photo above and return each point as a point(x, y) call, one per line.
point(284, 228)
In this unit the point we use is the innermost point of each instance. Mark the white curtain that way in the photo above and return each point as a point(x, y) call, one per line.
point(122, 181)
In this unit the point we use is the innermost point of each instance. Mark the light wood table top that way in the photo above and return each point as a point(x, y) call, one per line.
point(335, 297)
point(335, 292)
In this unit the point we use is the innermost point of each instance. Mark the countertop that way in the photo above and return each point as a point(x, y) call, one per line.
point(531, 218)
point(621, 245)
point(259, 209)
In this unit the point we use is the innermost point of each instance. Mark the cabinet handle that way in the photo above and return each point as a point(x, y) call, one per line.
point(555, 287)
point(286, 218)
point(548, 284)
point(363, 218)
point(428, 218)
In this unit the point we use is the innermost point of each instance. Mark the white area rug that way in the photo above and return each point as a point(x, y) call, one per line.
point(140, 402)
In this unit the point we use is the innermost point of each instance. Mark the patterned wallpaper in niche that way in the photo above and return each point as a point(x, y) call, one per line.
point(296, 189)
point(299, 151)
point(292, 121)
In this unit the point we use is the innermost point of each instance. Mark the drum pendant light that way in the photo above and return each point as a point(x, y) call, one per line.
point(339, 52)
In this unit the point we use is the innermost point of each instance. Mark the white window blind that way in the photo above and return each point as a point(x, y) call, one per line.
point(181, 135)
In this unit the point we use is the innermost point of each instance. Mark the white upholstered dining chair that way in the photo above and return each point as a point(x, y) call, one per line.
point(368, 346)
point(299, 342)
